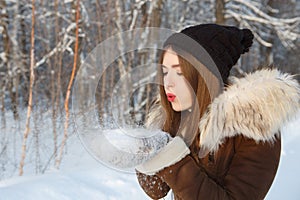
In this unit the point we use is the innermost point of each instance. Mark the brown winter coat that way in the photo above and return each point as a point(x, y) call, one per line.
point(244, 143)
point(241, 169)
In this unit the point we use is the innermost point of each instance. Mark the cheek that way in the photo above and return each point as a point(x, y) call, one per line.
point(185, 87)
point(186, 92)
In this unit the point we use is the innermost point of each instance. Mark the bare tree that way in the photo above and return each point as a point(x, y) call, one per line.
point(29, 108)
point(3, 56)
point(14, 63)
point(58, 161)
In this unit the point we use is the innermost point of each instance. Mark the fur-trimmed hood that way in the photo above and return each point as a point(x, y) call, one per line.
point(256, 106)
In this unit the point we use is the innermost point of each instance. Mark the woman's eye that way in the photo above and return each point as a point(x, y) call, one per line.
point(165, 73)
point(179, 73)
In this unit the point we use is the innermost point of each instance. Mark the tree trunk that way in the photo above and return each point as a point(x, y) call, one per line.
point(4, 59)
point(14, 63)
point(155, 16)
point(29, 108)
point(24, 58)
point(66, 104)
point(219, 12)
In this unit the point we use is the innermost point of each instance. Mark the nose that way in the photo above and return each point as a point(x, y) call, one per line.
point(168, 81)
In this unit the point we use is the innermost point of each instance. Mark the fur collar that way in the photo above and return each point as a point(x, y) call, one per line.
point(256, 106)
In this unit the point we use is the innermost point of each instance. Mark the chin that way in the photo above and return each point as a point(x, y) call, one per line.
point(177, 108)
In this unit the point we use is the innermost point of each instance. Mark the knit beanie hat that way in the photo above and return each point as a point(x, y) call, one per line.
point(224, 44)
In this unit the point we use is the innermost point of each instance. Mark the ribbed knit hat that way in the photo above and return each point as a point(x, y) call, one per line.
point(224, 44)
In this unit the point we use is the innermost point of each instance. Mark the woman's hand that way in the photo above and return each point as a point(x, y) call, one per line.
point(172, 153)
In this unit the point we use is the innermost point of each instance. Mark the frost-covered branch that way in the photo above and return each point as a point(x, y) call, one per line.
point(63, 45)
point(259, 39)
point(248, 12)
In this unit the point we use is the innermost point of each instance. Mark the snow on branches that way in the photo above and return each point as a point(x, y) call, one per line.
point(249, 14)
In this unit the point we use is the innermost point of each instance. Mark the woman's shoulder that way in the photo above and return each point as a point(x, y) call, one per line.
point(255, 106)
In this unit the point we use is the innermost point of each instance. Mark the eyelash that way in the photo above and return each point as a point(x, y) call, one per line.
point(178, 73)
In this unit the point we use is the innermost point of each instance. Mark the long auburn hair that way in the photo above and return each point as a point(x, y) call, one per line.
point(185, 122)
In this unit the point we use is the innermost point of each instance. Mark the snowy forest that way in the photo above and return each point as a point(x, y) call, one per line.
point(44, 43)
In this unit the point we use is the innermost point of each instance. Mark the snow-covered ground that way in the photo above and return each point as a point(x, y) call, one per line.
point(82, 177)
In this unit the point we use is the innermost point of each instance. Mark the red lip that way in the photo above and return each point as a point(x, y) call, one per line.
point(171, 97)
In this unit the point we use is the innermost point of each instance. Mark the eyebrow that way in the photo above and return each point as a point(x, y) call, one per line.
point(173, 66)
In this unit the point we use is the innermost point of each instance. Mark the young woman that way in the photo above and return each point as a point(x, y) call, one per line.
point(226, 143)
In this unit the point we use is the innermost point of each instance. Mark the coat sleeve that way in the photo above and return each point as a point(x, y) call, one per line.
point(153, 186)
point(249, 175)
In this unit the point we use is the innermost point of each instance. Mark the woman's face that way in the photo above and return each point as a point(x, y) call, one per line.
point(177, 88)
